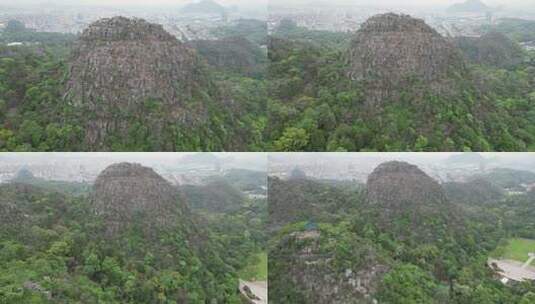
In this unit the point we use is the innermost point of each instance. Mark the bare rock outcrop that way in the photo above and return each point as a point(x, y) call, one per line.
point(409, 203)
point(390, 52)
point(127, 194)
point(124, 70)
point(314, 270)
point(396, 184)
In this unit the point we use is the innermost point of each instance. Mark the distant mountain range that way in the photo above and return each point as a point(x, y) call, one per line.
point(204, 7)
point(469, 6)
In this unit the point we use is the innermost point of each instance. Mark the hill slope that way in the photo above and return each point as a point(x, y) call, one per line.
point(132, 241)
point(134, 81)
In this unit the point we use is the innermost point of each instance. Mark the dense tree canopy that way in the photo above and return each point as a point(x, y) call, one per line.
point(449, 268)
point(315, 106)
point(52, 251)
point(36, 115)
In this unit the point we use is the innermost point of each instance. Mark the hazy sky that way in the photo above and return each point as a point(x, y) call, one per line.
point(366, 162)
point(406, 3)
point(254, 161)
point(127, 2)
point(254, 4)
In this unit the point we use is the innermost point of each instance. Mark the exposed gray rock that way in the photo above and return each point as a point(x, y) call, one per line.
point(394, 185)
point(409, 203)
point(129, 194)
point(391, 51)
point(118, 65)
point(315, 273)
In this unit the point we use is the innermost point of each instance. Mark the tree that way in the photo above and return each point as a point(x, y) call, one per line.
point(407, 284)
point(293, 139)
point(528, 298)
point(92, 264)
point(30, 132)
point(112, 270)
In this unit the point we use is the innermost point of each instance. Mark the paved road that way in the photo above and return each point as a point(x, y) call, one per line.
point(259, 288)
point(515, 270)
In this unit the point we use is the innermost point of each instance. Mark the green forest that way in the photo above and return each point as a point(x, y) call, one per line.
point(298, 97)
point(36, 114)
point(53, 248)
point(315, 106)
point(319, 241)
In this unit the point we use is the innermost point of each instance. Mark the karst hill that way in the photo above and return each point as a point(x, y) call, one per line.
point(391, 52)
point(135, 221)
point(400, 192)
point(142, 212)
point(128, 194)
point(493, 49)
point(22, 207)
point(395, 184)
point(474, 191)
point(469, 6)
point(130, 78)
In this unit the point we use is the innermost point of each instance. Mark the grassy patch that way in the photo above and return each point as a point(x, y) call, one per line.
point(516, 249)
point(256, 268)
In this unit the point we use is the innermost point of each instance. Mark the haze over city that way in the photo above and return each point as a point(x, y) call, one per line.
point(128, 2)
point(409, 3)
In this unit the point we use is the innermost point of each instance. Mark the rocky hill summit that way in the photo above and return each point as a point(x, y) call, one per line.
point(124, 29)
point(394, 184)
point(400, 192)
point(127, 194)
point(124, 71)
point(391, 51)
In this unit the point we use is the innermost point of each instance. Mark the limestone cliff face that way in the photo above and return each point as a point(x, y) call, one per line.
point(408, 203)
point(396, 184)
point(129, 194)
point(122, 68)
point(390, 51)
point(312, 269)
